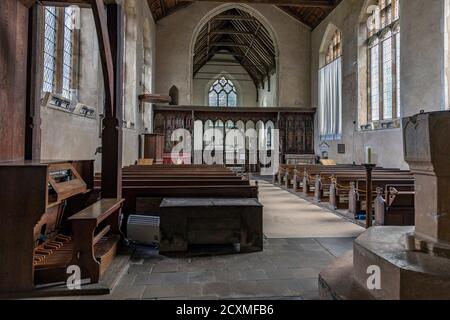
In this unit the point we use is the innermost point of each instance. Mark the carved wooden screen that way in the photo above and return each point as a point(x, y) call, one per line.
point(167, 122)
point(296, 133)
point(296, 129)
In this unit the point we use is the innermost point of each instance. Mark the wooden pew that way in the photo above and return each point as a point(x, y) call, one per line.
point(343, 187)
point(330, 186)
point(394, 205)
point(282, 171)
point(144, 187)
point(131, 193)
point(357, 195)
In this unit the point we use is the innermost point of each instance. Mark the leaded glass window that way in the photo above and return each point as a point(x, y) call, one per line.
point(222, 93)
point(335, 48)
point(50, 36)
point(384, 62)
point(58, 55)
point(67, 53)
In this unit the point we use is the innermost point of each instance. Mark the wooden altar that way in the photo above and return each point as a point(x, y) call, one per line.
point(295, 125)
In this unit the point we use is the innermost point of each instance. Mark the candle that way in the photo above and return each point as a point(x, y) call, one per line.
point(368, 155)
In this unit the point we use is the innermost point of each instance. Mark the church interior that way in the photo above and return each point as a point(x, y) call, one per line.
point(216, 150)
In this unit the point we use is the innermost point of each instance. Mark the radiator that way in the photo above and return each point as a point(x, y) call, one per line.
point(143, 229)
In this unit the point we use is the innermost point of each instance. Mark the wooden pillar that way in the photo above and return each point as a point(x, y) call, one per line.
point(369, 169)
point(34, 84)
point(112, 123)
point(193, 138)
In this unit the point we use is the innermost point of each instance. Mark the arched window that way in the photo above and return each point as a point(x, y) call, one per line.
point(330, 88)
point(50, 36)
point(59, 40)
point(334, 48)
point(67, 71)
point(383, 44)
point(222, 93)
point(173, 93)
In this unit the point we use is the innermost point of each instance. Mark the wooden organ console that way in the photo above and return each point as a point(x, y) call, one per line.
point(52, 219)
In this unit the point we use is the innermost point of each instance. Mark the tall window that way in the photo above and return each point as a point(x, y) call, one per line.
point(222, 93)
point(384, 62)
point(330, 94)
point(49, 48)
point(334, 48)
point(67, 53)
point(58, 50)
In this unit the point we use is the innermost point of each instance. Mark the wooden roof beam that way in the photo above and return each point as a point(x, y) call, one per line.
point(229, 44)
point(58, 3)
point(283, 3)
point(231, 32)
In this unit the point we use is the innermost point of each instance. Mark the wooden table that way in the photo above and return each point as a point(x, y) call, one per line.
point(211, 221)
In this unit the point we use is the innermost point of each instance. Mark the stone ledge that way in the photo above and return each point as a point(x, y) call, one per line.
point(336, 282)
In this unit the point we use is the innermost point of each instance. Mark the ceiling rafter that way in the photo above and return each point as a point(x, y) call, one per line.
point(308, 12)
point(237, 34)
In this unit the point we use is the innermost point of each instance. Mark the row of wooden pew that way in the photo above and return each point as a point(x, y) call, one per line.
point(344, 187)
point(144, 187)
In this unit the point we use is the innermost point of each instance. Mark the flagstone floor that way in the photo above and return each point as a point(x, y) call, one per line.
point(301, 239)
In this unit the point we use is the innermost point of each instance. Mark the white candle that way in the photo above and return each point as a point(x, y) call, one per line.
point(368, 155)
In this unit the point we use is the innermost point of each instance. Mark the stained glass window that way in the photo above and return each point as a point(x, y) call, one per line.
point(50, 19)
point(222, 93)
point(384, 62)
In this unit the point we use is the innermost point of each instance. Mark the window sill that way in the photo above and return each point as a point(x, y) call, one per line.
point(58, 103)
point(381, 125)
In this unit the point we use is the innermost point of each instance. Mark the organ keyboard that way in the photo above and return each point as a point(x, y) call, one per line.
point(51, 219)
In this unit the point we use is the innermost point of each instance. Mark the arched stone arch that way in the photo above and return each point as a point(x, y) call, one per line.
point(253, 12)
point(364, 14)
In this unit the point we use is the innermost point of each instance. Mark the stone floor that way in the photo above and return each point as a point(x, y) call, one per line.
point(288, 268)
point(286, 215)
point(300, 241)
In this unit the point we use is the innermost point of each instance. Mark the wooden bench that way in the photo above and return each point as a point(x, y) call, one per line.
point(210, 221)
point(394, 205)
point(96, 234)
point(343, 187)
point(357, 195)
point(133, 193)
